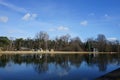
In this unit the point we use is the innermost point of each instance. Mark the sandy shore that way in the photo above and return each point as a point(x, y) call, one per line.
point(49, 52)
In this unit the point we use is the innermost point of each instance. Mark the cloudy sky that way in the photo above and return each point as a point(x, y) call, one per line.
point(83, 18)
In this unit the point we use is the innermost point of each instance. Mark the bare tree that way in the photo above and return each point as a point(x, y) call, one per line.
point(101, 39)
point(42, 38)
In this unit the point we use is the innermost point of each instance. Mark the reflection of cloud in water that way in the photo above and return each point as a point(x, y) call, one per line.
point(59, 73)
point(49, 72)
point(9, 67)
point(63, 73)
point(58, 70)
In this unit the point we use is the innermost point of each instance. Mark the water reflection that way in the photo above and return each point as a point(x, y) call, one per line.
point(43, 63)
point(40, 61)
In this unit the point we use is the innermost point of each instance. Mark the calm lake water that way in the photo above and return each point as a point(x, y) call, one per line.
point(57, 66)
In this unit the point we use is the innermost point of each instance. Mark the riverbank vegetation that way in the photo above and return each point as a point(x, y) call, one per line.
point(62, 43)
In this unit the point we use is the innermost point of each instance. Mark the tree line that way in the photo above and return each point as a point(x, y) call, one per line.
point(62, 43)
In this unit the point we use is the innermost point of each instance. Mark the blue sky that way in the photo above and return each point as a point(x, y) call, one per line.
point(83, 18)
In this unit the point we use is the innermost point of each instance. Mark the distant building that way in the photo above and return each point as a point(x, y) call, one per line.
point(25, 49)
point(39, 50)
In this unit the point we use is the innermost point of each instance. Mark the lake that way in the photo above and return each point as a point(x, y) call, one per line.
point(57, 66)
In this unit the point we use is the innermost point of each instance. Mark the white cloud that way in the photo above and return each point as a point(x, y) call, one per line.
point(29, 16)
point(34, 15)
point(62, 28)
point(84, 23)
point(112, 39)
point(3, 19)
point(26, 17)
point(13, 7)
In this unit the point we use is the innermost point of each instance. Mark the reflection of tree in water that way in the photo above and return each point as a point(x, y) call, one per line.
point(99, 60)
point(118, 56)
point(17, 59)
point(104, 59)
point(64, 61)
point(102, 62)
point(76, 60)
point(42, 65)
point(114, 57)
point(3, 60)
point(89, 59)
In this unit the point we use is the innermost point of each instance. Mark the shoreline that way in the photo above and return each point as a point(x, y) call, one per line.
point(53, 52)
point(115, 75)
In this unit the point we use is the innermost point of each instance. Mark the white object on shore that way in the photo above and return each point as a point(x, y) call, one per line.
point(52, 50)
